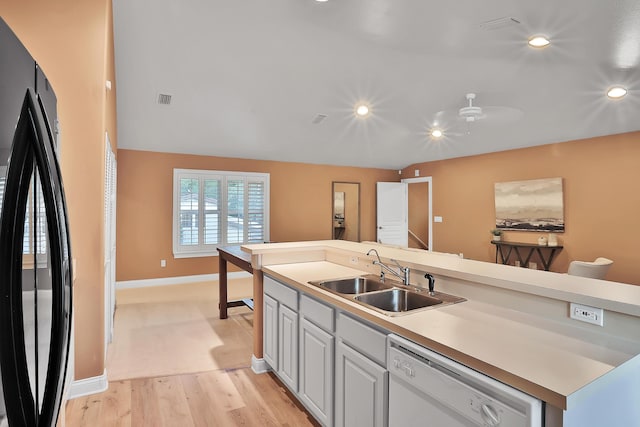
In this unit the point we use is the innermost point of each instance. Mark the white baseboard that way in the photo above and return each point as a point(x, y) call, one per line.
point(88, 386)
point(178, 280)
point(259, 366)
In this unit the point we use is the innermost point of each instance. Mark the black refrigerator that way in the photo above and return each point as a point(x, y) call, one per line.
point(35, 257)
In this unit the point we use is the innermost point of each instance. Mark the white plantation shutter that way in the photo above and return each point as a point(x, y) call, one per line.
point(255, 211)
point(235, 210)
point(212, 219)
point(189, 211)
point(217, 208)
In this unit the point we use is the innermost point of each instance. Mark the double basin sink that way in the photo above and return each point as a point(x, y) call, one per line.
point(386, 297)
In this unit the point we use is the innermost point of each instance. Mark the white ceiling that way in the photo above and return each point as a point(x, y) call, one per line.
point(247, 77)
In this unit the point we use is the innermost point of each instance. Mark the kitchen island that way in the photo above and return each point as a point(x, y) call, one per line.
point(514, 326)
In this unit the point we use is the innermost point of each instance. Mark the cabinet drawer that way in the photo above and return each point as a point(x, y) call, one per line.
point(363, 338)
point(317, 312)
point(284, 294)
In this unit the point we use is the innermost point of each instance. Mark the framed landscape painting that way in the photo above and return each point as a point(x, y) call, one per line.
point(533, 205)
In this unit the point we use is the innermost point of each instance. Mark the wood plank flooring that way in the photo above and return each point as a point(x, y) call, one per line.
point(230, 395)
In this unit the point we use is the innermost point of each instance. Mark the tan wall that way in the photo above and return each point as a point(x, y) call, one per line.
point(68, 38)
point(301, 200)
point(601, 200)
point(111, 124)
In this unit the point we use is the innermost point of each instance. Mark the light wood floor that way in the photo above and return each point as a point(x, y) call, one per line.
point(161, 330)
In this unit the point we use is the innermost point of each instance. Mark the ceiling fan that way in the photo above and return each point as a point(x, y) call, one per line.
point(450, 122)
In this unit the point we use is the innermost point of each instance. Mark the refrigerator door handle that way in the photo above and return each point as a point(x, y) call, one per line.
point(32, 150)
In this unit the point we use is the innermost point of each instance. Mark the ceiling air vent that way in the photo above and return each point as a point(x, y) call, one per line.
point(317, 119)
point(497, 24)
point(164, 99)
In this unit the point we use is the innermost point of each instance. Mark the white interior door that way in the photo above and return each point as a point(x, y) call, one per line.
point(392, 213)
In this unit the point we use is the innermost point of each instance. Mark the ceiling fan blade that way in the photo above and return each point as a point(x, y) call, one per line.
point(444, 118)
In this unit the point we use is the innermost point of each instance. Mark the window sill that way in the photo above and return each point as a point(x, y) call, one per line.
point(195, 254)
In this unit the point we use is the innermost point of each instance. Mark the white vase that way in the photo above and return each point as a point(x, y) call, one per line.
point(496, 238)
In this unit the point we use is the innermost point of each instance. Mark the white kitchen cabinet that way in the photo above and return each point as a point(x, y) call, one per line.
point(280, 329)
point(361, 375)
point(270, 332)
point(288, 346)
point(316, 371)
point(342, 383)
point(361, 389)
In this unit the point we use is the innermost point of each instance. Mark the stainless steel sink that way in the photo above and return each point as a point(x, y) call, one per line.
point(355, 285)
point(389, 298)
point(398, 300)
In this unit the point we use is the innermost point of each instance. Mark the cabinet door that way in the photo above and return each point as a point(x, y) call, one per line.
point(361, 390)
point(270, 331)
point(316, 371)
point(288, 346)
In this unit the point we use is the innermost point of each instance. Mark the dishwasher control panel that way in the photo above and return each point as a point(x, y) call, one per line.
point(437, 388)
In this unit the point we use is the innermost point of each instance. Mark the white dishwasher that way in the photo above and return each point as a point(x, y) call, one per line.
point(428, 389)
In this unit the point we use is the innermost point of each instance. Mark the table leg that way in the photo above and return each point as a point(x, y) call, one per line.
point(222, 273)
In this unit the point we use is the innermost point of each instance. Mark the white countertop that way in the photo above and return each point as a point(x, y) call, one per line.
point(536, 355)
point(619, 297)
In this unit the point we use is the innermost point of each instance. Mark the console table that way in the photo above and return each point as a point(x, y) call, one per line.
point(235, 256)
point(546, 253)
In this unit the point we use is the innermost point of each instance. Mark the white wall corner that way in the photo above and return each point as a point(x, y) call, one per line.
point(88, 386)
point(259, 366)
point(179, 280)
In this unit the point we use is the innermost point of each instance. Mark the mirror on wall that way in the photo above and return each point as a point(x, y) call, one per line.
point(346, 211)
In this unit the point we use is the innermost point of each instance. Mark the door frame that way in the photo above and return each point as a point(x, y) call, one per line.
point(110, 183)
point(429, 181)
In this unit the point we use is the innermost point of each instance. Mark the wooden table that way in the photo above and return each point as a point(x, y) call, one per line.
point(546, 253)
point(235, 256)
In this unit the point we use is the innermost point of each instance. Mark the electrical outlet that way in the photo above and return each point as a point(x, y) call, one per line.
point(516, 263)
point(163, 263)
point(584, 313)
point(533, 266)
point(354, 260)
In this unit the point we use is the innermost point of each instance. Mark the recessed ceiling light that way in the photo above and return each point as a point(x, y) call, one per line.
point(538, 41)
point(321, 1)
point(616, 92)
point(436, 133)
point(362, 110)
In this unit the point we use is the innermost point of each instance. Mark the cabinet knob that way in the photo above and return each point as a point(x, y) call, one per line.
point(490, 415)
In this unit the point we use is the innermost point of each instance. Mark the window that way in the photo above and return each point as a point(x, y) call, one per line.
point(217, 208)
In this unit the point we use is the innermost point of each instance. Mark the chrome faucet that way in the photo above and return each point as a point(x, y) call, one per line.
point(406, 272)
